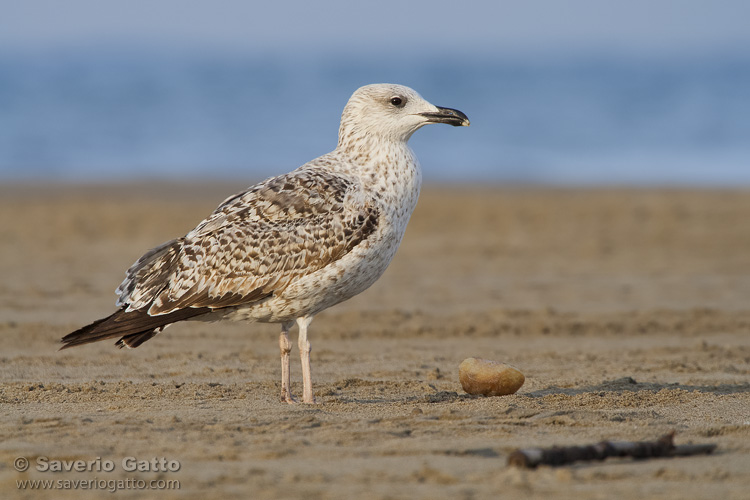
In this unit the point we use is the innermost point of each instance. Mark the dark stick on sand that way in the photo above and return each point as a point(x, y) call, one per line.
point(662, 447)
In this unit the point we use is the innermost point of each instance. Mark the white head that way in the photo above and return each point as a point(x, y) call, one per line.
point(392, 113)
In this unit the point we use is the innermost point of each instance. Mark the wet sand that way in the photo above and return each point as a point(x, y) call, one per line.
point(627, 310)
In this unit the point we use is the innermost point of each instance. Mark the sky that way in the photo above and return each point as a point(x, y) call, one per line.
point(547, 84)
point(395, 28)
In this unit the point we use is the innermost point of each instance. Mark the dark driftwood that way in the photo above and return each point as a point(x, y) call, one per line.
point(662, 447)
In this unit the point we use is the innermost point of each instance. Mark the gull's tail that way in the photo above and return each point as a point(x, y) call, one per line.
point(133, 327)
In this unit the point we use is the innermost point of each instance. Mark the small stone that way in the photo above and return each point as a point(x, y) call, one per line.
point(489, 378)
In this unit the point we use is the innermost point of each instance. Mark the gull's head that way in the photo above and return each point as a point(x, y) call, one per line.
point(388, 112)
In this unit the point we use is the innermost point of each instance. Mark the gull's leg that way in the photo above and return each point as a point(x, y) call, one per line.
point(286, 377)
point(304, 354)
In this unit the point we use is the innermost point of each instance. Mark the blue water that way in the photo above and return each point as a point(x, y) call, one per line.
point(109, 115)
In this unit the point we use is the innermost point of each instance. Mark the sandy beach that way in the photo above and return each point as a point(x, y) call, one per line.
point(627, 310)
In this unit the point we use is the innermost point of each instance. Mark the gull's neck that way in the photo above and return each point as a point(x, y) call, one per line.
point(387, 169)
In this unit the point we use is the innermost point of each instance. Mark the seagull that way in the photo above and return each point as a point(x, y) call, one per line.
point(291, 246)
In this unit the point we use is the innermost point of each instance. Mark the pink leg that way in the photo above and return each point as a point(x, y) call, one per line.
point(286, 377)
point(304, 354)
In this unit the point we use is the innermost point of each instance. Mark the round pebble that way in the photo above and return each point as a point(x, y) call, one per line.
point(489, 378)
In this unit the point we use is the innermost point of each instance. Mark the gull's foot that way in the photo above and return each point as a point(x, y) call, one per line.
point(309, 400)
point(288, 398)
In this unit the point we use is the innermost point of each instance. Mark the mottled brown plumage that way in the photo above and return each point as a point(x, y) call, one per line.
point(253, 245)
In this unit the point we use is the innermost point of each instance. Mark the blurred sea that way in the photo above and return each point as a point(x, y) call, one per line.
point(100, 115)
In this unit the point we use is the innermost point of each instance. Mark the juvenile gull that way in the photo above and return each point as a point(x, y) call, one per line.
point(293, 245)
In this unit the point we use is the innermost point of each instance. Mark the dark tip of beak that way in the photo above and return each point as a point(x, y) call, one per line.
point(447, 115)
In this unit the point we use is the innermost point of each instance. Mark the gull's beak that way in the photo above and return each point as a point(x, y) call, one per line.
point(447, 115)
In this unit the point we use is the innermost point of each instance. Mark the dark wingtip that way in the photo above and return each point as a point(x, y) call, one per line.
point(133, 327)
point(83, 335)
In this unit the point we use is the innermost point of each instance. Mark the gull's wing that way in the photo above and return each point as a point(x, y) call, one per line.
point(253, 246)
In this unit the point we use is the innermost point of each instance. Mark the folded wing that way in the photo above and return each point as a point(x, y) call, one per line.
point(254, 245)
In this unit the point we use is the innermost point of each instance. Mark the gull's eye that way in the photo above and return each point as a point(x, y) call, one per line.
point(399, 102)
